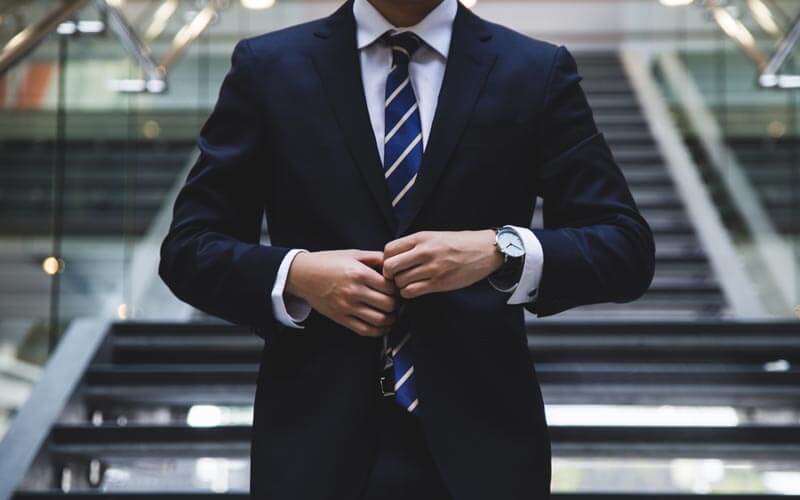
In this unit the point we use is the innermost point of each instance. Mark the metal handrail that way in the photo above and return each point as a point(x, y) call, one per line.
point(768, 67)
point(29, 38)
point(131, 42)
point(155, 71)
point(188, 34)
point(716, 241)
point(769, 76)
point(30, 427)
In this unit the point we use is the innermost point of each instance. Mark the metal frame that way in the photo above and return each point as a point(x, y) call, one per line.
point(29, 38)
point(156, 71)
point(769, 76)
point(768, 67)
point(189, 33)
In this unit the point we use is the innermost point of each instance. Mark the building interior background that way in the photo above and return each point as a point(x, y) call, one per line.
point(109, 385)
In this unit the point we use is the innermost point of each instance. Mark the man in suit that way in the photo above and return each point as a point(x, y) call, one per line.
point(397, 149)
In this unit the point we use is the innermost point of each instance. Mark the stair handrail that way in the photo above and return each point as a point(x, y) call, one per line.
point(63, 372)
point(775, 251)
point(717, 243)
point(155, 73)
point(768, 67)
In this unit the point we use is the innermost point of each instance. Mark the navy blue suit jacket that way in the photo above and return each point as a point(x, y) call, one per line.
point(290, 137)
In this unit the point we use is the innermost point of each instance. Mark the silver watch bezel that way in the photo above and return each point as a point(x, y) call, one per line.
point(501, 249)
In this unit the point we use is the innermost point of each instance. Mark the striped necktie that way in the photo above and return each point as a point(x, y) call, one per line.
point(402, 146)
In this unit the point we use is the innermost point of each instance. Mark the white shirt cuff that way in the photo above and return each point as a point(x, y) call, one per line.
point(289, 310)
point(527, 289)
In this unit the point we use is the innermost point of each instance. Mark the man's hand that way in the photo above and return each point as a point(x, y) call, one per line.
point(345, 286)
point(440, 261)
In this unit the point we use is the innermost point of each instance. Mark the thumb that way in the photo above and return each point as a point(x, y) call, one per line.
point(370, 258)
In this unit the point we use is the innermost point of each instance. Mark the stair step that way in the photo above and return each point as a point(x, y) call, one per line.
point(738, 441)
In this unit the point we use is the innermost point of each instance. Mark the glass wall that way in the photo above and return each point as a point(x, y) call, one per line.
point(88, 162)
point(742, 129)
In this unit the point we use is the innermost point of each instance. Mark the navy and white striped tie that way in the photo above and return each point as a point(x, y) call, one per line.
point(402, 147)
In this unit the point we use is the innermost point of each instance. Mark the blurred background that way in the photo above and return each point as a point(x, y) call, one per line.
point(110, 387)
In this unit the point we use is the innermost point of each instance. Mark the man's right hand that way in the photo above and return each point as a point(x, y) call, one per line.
point(348, 287)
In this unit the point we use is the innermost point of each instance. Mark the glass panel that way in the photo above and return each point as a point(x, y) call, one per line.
point(744, 136)
point(86, 169)
point(27, 210)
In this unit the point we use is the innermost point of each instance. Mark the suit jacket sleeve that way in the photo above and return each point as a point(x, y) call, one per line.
point(211, 257)
point(597, 246)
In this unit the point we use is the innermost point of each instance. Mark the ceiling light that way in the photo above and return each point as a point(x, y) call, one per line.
point(733, 27)
point(257, 4)
point(52, 265)
point(122, 311)
point(160, 18)
point(764, 17)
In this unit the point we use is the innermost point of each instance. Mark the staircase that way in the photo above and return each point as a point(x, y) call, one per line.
point(112, 191)
point(684, 285)
point(162, 410)
point(166, 408)
point(111, 188)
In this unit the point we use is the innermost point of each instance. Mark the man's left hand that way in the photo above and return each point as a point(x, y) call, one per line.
point(440, 261)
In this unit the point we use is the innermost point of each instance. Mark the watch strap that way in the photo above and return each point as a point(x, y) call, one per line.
point(511, 271)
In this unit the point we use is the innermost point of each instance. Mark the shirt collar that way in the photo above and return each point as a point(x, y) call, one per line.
point(435, 29)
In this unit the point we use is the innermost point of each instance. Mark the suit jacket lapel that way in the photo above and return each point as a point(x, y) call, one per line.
point(339, 68)
point(468, 64)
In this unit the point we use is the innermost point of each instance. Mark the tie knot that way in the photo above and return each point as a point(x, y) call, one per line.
point(403, 45)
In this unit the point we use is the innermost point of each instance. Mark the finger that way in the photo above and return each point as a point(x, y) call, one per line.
point(401, 262)
point(417, 289)
point(372, 316)
point(378, 300)
point(371, 259)
point(377, 281)
point(364, 329)
point(401, 245)
point(416, 273)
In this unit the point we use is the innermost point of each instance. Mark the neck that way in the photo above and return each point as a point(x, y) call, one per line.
point(403, 13)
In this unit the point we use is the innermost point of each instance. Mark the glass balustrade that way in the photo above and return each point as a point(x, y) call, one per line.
point(735, 100)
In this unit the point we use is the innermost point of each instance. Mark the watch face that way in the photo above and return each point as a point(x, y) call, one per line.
point(511, 244)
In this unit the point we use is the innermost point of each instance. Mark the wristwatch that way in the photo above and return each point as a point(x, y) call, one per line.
point(509, 243)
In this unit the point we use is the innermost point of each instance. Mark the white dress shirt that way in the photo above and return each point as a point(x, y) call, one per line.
point(426, 71)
